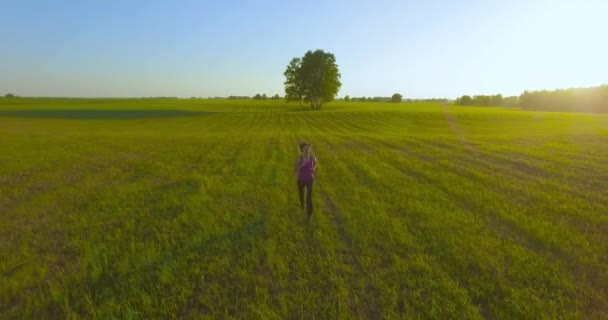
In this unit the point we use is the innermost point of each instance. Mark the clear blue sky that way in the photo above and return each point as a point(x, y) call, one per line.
point(421, 49)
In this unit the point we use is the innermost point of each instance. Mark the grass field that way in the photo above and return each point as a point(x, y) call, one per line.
point(188, 208)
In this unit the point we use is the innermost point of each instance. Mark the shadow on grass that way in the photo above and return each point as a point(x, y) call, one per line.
point(92, 114)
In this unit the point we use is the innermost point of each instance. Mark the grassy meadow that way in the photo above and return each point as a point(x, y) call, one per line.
point(142, 208)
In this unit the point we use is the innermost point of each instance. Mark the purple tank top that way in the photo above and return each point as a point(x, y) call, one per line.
point(306, 173)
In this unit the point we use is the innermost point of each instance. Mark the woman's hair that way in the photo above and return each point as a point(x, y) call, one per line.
point(303, 144)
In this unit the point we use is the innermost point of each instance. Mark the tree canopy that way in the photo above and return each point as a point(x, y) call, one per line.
point(481, 100)
point(314, 78)
point(592, 99)
point(396, 98)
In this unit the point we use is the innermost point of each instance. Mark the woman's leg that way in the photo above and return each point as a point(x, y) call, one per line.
point(309, 198)
point(301, 193)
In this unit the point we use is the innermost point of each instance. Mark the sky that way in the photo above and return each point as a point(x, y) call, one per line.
point(421, 49)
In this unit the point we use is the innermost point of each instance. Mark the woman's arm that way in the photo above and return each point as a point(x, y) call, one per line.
point(297, 165)
point(314, 163)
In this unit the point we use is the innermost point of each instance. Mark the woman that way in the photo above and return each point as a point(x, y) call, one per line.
point(306, 165)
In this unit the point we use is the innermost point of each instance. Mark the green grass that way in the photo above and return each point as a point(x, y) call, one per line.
point(188, 208)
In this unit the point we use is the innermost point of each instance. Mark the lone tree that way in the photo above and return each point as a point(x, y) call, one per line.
point(465, 100)
point(314, 78)
point(396, 98)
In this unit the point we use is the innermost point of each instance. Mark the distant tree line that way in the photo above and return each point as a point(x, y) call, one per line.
point(482, 100)
point(395, 98)
point(10, 95)
point(435, 100)
point(593, 99)
point(159, 98)
point(264, 97)
point(371, 99)
point(256, 97)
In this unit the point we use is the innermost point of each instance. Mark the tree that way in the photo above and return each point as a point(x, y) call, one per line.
point(496, 100)
point(512, 101)
point(294, 89)
point(314, 78)
point(482, 100)
point(593, 99)
point(346, 98)
point(9, 95)
point(465, 100)
point(257, 96)
point(264, 97)
point(396, 98)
